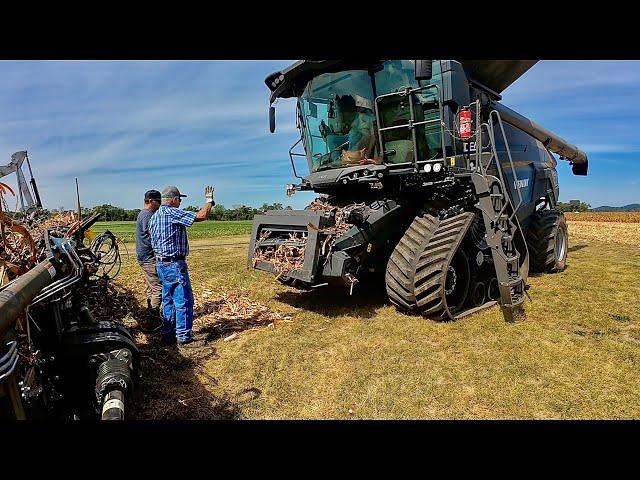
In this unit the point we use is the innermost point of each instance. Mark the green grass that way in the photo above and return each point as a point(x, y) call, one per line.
point(577, 355)
point(208, 229)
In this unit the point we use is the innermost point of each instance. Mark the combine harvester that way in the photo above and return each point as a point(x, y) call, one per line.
point(424, 175)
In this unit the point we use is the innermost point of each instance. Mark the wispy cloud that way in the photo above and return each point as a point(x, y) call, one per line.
point(124, 127)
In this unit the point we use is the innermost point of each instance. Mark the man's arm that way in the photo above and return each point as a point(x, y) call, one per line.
point(203, 214)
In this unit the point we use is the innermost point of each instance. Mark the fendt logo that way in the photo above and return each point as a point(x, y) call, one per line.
point(521, 183)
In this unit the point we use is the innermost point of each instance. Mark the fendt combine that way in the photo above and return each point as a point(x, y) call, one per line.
point(423, 175)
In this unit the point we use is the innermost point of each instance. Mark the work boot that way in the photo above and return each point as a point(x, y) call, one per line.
point(191, 345)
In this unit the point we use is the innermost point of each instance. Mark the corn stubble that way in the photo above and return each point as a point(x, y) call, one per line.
point(288, 257)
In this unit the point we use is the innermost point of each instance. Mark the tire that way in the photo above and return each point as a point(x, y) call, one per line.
point(427, 273)
point(548, 242)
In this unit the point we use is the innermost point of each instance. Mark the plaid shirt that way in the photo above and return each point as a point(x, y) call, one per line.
point(168, 231)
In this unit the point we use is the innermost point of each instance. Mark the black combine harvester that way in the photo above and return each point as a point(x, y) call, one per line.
point(448, 192)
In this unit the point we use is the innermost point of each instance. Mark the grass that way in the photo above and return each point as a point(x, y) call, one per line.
point(127, 230)
point(576, 356)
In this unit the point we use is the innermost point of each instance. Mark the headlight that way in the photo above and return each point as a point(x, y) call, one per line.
point(427, 167)
point(437, 167)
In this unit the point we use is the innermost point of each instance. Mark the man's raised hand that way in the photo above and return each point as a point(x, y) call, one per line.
point(208, 194)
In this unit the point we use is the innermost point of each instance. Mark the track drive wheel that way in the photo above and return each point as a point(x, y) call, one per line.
point(428, 273)
point(548, 241)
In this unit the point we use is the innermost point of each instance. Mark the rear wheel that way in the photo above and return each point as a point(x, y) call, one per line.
point(548, 241)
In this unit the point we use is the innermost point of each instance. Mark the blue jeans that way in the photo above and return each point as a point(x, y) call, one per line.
point(177, 301)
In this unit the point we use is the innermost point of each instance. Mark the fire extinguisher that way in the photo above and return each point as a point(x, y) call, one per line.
point(465, 123)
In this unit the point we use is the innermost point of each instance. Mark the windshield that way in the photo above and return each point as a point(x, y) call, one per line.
point(395, 110)
point(338, 120)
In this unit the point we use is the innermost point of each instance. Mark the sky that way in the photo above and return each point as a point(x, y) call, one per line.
point(123, 127)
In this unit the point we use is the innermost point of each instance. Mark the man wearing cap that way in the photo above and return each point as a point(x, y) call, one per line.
point(146, 257)
point(168, 228)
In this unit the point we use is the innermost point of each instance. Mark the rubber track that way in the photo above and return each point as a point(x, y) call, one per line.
point(541, 240)
point(417, 268)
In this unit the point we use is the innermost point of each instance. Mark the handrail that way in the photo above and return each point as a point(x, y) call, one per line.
point(409, 92)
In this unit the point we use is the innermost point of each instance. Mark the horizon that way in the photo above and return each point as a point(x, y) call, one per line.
point(124, 127)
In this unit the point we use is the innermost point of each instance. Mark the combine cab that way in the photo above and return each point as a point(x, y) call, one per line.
point(423, 175)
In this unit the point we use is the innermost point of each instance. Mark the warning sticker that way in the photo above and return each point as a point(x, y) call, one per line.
point(50, 269)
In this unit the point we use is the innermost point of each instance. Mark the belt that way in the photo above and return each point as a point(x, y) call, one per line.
point(169, 259)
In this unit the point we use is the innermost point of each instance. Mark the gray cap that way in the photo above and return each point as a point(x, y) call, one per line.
point(171, 192)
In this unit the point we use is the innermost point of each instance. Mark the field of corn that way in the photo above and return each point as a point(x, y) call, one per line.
point(617, 217)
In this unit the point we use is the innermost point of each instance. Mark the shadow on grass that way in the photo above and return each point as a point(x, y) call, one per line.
point(368, 296)
point(172, 386)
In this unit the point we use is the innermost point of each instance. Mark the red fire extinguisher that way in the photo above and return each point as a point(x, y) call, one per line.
point(465, 123)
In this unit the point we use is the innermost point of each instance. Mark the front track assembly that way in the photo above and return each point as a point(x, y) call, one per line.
point(428, 272)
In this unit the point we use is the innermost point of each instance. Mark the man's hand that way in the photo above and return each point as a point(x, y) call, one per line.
point(203, 214)
point(208, 194)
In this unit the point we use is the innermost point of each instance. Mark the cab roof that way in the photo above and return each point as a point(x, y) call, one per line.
point(496, 75)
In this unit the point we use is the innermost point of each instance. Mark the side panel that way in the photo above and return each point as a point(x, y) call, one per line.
point(532, 165)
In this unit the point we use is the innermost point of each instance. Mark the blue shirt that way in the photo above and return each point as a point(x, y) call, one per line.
point(168, 231)
point(143, 238)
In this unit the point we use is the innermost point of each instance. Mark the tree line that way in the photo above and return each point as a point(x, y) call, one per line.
point(111, 213)
point(575, 206)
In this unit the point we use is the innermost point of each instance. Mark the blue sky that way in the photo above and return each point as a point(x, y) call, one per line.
point(125, 127)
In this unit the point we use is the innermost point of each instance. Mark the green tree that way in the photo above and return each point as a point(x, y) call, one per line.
point(568, 207)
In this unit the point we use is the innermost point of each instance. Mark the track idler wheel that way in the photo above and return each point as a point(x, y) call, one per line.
point(428, 273)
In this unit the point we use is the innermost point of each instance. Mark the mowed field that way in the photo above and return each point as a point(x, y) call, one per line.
point(212, 229)
point(577, 355)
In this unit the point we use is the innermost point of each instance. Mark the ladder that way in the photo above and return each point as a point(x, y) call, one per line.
point(499, 214)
